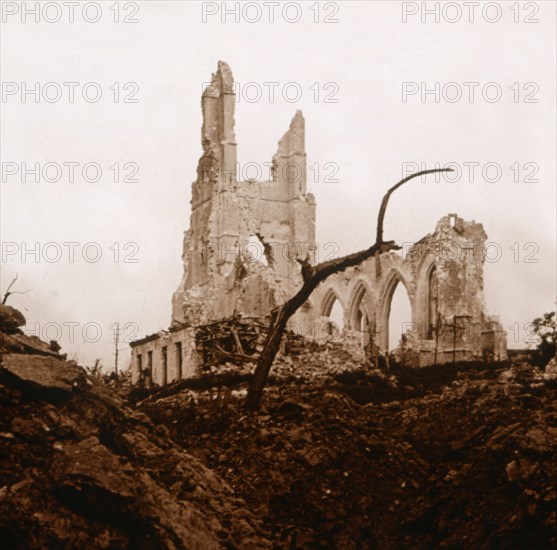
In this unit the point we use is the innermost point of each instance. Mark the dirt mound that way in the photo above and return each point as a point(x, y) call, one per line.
point(491, 447)
point(340, 456)
point(453, 457)
point(78, 469)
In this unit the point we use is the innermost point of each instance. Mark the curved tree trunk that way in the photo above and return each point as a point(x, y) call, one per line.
point(313, 276)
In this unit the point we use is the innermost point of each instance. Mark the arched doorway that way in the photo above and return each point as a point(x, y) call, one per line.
point(362, 315)
point(395, 318)
point(400, 315)
point(333, 312)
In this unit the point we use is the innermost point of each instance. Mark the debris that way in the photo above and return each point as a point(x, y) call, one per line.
point(46, 373)
point(235, 339)
point(357, 458)
point(10, 319)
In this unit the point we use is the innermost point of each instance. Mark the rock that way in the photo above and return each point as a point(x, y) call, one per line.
point(551, 368)
point(314, 457)
point(54, 346)
point(88, 472)
point(8, 344)
point(47, 373)
point(10, 319)
point(521, 469)
point(290, 409)
point(33, 344)
point(539, 439)
point(27, 427)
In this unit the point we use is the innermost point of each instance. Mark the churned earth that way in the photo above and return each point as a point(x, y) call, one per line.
point(339, 456)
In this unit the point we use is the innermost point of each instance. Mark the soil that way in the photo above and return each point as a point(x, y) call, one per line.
point(339, 456)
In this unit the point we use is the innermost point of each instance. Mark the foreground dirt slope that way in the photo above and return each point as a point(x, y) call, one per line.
point(80, 470)
point(340, 456)
point(451, 458)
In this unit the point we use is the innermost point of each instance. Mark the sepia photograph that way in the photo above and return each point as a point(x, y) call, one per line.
point(278, 274)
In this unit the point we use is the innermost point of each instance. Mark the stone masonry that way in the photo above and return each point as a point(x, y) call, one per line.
point(240, 251)
point(443, 277)
point(240, 258)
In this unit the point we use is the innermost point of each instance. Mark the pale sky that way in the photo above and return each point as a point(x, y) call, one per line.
point(363, 61)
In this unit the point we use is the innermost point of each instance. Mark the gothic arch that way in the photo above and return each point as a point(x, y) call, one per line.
point(328, 301)
point(361, 298)
point(361, 314)
point(392, 280)
point(334, 321)
point(425, 314)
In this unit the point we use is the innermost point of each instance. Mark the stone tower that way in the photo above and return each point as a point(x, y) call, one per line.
point(244, 238)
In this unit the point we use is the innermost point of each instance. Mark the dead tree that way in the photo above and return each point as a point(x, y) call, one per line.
point(312, 277)
point(8, 293)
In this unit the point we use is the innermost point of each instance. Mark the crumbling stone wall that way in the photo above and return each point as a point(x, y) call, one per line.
point(240, 251)
point(165, 356)
point(443, 277)
point(240, 255)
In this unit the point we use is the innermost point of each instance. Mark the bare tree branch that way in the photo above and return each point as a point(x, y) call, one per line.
point(307, 269)
point(312, 277)
point(18, 292)
point(8, 293)
point(385, 201)
point(8, 289)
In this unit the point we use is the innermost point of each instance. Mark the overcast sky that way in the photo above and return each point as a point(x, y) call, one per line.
point(350, 76)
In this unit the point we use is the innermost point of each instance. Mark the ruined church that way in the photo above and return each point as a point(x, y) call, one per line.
point(240, 260)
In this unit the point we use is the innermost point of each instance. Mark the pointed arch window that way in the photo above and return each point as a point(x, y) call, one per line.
point(432, 302)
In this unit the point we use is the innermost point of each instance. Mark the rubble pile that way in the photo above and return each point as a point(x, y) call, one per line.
point(341, 457)
point(79, 469)
point(13, 339)
point(233, 345)
point(235, 339)
point(491, 448)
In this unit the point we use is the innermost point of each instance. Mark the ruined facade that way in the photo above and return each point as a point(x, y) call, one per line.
point(239, 253)
point(442, 274)
point(240, 258)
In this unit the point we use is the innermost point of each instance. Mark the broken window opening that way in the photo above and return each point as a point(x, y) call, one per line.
point(267, 251)
point(164, 365)
point(256, 251)
point(149, 373)
point(139, 366)
point(432, 303)
point(179, 359)
point(399, 316)
point(333, 310)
